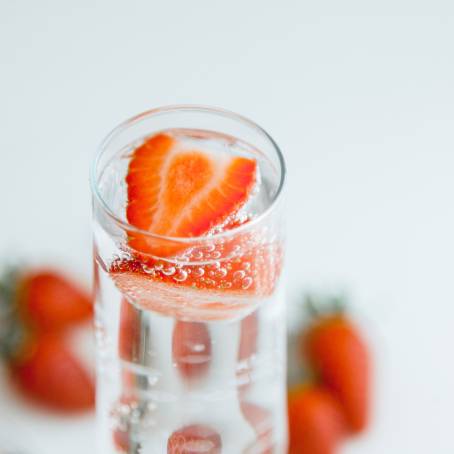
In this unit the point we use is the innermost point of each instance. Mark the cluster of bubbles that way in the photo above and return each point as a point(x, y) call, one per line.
point(240, 263)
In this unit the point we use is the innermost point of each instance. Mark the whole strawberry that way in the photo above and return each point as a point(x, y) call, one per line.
point(48, 372)
point(316, 421)
point(338, 354)
point(50, 301)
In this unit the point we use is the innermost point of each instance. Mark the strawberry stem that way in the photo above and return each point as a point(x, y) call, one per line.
point(325, 305)
point(12, 331)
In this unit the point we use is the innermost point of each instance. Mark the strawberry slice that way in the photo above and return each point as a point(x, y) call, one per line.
point(215, 291)
point(175, 191)
point(178, 192)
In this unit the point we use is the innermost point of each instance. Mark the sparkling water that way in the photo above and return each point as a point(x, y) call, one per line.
point(184, 369)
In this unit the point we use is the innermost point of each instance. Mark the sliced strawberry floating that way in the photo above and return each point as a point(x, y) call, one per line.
point(179, 192)
point(221, 290)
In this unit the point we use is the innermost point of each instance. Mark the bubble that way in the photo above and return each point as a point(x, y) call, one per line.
point(239, 274)
point(221, 272)
point(149, 270)
point(210, 247)
point(181, 275)
point(169, 271)
point(152, 380)
point(247, 265)
point(198, 272)
point(215, 255)
point(197, 255)
point(198, 348)
point(247, 282)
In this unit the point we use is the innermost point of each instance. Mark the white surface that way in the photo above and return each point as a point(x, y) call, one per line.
point(358, 94)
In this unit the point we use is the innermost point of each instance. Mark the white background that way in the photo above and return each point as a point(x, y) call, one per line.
point(360, 97)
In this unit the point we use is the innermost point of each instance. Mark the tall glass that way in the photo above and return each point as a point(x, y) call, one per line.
point(191, 348)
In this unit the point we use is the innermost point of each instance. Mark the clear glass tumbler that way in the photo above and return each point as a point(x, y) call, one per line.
point(191, 344)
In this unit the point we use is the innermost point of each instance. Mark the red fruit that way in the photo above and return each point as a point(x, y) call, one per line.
point(180, 192)
point(229, 287)
point(316, 422)
point(191, 348)
point(340, 357)
point(253, 273)
point(50, 374)
point(194, 439)
point(49, 301)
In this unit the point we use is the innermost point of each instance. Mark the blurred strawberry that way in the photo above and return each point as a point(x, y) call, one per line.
point(43, 315)
point(50, 301)
point(49, 372)
point(316, 422)
point(339, 356)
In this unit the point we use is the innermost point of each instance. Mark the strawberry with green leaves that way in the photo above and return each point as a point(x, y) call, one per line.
point(337, 352)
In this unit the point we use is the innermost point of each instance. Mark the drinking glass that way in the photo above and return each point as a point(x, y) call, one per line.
point(191, 349)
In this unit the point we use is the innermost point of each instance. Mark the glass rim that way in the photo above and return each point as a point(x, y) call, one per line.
point(103, 147)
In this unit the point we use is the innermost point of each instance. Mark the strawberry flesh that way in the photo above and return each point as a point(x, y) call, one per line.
point(179, 192)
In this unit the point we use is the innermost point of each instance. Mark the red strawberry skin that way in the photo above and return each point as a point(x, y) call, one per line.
point(316, 422)
point(49, 301)
point(50, 374)
point(339, 355)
